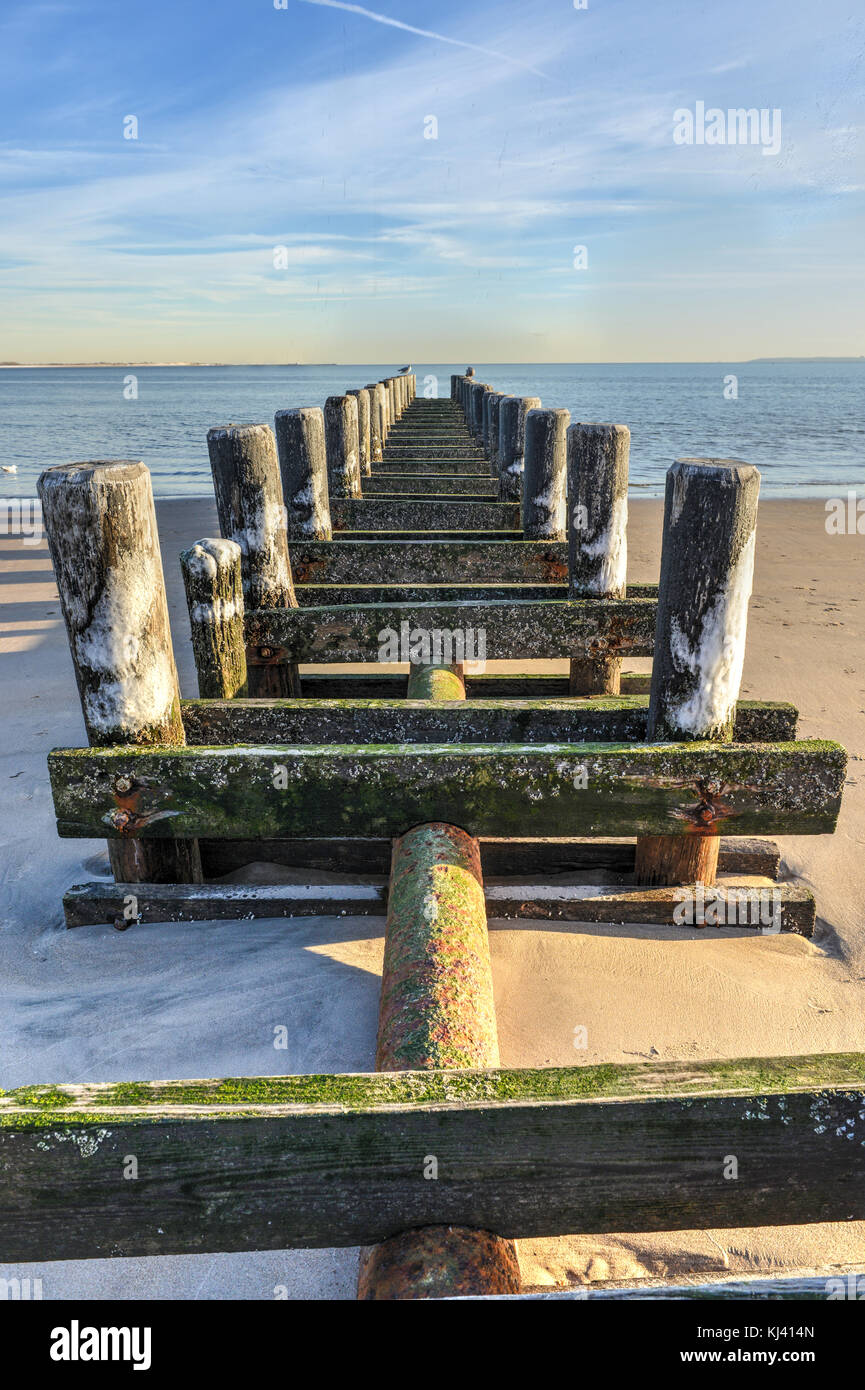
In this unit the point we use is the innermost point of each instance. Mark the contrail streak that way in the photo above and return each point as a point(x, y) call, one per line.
point(424, 33)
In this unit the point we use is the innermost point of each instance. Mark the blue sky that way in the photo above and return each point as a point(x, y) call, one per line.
point(303, 127)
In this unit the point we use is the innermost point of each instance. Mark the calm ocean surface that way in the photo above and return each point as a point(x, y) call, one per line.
point(801, 423)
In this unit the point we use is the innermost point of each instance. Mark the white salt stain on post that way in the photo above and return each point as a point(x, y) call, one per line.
point(138, 684)
point(718, 655)
point(610, 549)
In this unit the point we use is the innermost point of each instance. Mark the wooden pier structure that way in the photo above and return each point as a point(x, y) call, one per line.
point(439, 534)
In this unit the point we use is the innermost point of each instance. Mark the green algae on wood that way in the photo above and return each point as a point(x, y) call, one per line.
point(513, 628)
point(485, 789)
point(266, 1163)
point(403, 514)
point(617, 719)
point(431, 561)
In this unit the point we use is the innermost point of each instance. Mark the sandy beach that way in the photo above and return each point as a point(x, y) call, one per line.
point(204, 999)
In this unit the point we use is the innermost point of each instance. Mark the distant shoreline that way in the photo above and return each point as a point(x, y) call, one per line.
point(748, 361)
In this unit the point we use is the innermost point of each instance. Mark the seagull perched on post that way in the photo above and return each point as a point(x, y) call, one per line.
point(403, 370)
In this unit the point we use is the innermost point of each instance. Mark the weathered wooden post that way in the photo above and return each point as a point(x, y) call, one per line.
point(392, 416)
point(707, 570)
point(376, 420)
point(476, 422)
point(597, 466)
point(454, 386)
point(211, 571)
point(545, 477)
point(495, 399)
point(364, 454)
point(303, 468)
point(512, 444)
point(342, 444)
point(249, 501)
point(437, 1010)
point(101, 526)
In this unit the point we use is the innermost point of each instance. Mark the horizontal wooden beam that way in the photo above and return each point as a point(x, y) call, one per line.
point(348, 595)
point(485, 789)
point(766, 907)
point(419, 533)
point(473, 486)
point(511, 628)
point(269, 1163)
point(604, 719)
point(359, 683)
point(434, 514)
point(429, 562)
point(738, 855)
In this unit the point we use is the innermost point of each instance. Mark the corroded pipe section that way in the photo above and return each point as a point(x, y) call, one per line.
point(437, 1010)
point(437, 988)
point(436, 683)
point(439, 1262)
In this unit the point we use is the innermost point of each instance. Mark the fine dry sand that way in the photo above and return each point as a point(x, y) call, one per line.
point(203, 1000)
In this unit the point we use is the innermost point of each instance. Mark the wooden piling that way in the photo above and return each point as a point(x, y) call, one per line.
point(101, 526)
point(214, 596)
point(342, 445)
point(249, 501)
point(597, 473)
point(494, 408)
point(707, 565)
point(512, 443)
point(377, 422)
point(302, 456)
point(364, 452)
point(545, 476)
point(476, 418)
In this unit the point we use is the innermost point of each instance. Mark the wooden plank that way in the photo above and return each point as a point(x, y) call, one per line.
point(738, 855)
point(362, 684)
point(766, 907)
point(420, 534)
point(323, 1161)
point(426, 486)
point(607, 719)
point(443, 468)
point(486, 789)
point(512, 628)
point(429, 562)
point(347, 595)
point(405, 514)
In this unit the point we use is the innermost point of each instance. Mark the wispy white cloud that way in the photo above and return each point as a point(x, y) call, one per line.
point(424, 33)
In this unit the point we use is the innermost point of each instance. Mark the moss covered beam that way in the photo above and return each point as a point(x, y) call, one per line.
point(429, 562)
point(306, 1161)
point(412, 514)
point(512, 628)
point(614, 719)
point(485, 789)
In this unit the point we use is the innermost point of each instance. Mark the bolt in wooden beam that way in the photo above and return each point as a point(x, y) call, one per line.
point(101, 526)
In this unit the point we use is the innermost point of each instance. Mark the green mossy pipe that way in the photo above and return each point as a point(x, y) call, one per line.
point(436, 683)
point(437, 1010)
